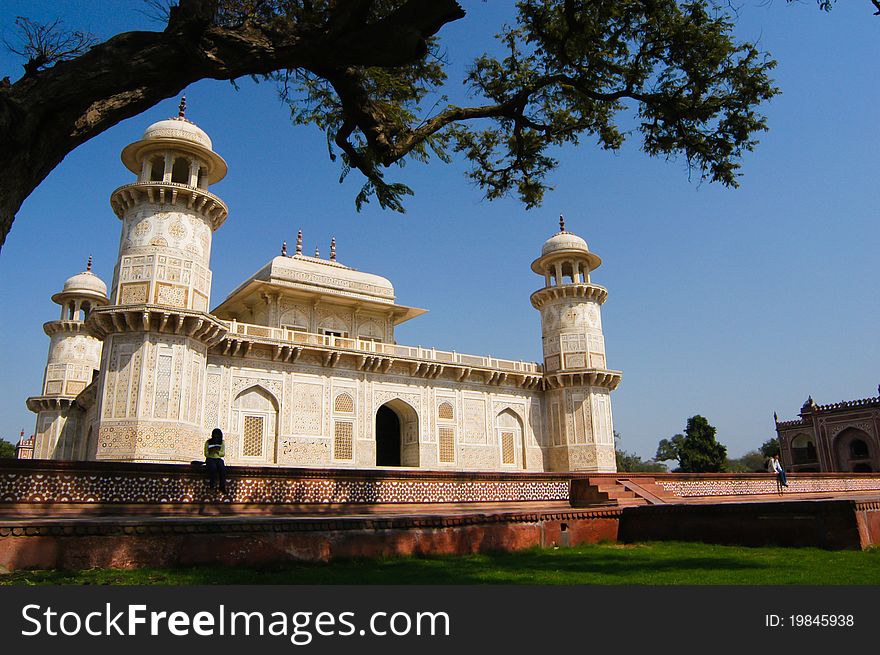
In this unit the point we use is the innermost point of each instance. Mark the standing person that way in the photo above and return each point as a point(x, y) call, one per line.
point(780, 473)
point(215, 450)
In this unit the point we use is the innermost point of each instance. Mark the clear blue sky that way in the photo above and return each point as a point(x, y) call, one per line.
point(726, 303)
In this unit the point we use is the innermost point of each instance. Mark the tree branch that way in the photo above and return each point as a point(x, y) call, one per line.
point(45, 115)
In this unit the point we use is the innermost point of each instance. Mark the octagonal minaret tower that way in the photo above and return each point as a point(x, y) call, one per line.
point(577, 382)
point(156, 330)
point(73, 357)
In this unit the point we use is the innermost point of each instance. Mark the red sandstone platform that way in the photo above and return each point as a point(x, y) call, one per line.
point(85, 514)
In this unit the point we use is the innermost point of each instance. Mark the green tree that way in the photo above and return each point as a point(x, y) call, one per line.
point(770, 448)
point(752, 462)
point(7, 450)
point(632, 463)
point(371, 75)
point(696, 451)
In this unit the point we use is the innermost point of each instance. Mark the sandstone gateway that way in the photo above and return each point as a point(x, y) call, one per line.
point(299, 365)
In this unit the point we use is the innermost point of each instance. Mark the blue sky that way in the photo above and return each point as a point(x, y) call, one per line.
point(725, 303)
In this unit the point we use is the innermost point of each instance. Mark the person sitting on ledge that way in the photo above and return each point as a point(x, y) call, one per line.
point(780, 473)
point(215, 450)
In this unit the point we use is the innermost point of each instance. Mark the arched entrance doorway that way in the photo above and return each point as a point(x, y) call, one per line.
point(397, 430)
point(388, 441)
point(855, 451)
point(804, 456)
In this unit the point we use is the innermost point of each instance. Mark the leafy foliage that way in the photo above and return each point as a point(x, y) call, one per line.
point(696, 450)
point(752, 462)
point(770, 447)
point(7, 450)
point(371, 75)
point(573, 70)
point(632, 463)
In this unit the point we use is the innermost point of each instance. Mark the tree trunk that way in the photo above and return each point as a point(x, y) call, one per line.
point(46, 115)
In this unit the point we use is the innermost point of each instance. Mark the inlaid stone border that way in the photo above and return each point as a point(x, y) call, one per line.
point(722, 486)
point(49, 483)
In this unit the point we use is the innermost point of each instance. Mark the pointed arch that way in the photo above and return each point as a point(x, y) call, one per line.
point(343, 426)
point(397, 436)
point(510, 433)
point(333, 324)
point(255, 422)
point(856, 451)
point(803, 450)
point(371, 329)
point(445, 412)
point(295, 318)
point(343, 403)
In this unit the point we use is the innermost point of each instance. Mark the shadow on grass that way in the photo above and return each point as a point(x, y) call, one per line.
point(644, 564)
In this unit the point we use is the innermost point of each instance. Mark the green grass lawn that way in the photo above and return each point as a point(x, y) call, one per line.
point(665, 563)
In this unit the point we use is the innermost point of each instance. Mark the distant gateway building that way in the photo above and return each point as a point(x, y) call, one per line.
point(299, 365)
point(836, 437)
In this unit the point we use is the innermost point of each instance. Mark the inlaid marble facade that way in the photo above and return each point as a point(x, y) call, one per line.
point(299, 365)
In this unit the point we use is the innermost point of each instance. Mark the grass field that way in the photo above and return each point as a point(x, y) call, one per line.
point(664, 563)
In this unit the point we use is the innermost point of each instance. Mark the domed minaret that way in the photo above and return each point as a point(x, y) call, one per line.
point(73, 357)
point(156, 330)
point(577, 382)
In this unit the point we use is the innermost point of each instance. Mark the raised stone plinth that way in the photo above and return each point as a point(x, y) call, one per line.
point(73, 515)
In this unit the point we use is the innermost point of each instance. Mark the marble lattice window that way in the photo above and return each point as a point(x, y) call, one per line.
point(342, 439)
point(447, 444)
point(344, 404)
point(445, 412)
point(252, 441)
point(508, 455)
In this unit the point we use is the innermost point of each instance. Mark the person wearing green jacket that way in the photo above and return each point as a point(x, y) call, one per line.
point(215, 450)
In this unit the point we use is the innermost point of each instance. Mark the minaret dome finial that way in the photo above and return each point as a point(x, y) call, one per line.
point(89, 264)
point(181, 108)
point(284, 248)
point(333, 249)
point(561, 223)
point(299, 242)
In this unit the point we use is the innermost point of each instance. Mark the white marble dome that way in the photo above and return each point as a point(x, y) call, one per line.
point(564, 241)
point(565, 246)
point(178, 128)
point(178, 135)
point(83, 285)
point(85, 281)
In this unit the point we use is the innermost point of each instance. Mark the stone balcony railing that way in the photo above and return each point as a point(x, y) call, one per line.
point(172, 193)
point(284, 337)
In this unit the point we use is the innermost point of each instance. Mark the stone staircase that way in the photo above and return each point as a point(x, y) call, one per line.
point(619, 491)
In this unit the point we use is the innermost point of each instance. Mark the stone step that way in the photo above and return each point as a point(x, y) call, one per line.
point(631, 502)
